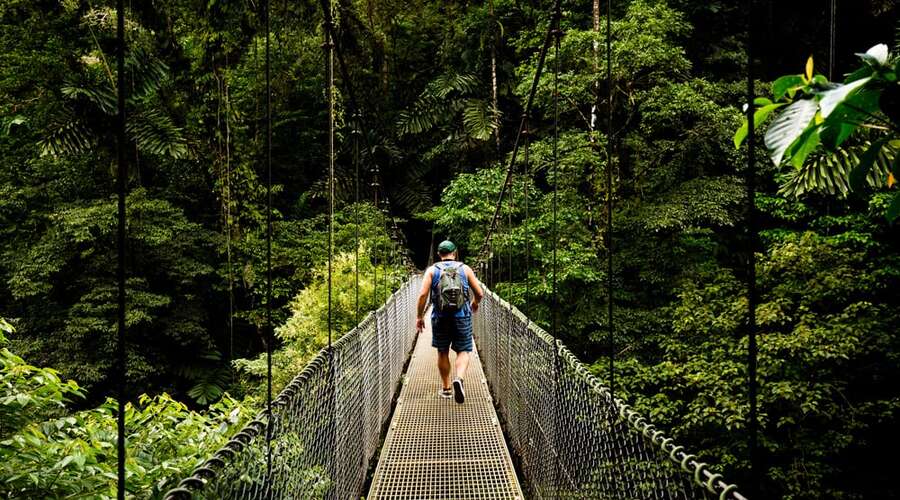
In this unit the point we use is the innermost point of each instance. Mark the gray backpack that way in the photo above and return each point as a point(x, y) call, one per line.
point(451, 296)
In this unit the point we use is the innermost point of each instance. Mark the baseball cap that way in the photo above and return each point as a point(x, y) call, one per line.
point(446, 246)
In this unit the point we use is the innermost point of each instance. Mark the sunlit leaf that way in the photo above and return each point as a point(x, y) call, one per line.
point(788, 126)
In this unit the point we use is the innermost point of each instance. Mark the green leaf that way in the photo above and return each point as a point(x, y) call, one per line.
point(832, 98)
point(861, 171)
point(759, 116)
point(833, 134)
point(845, 120)
point(788, 126)
point(803, 146)
point(784, 84)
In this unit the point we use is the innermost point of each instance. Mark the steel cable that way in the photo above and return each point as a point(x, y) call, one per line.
point(269, 329)
point(122, 173)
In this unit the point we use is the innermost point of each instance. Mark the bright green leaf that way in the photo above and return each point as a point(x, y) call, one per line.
point(788, 126)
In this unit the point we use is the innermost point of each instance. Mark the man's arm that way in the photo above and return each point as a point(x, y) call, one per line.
point(423, 299)
point(475, 286)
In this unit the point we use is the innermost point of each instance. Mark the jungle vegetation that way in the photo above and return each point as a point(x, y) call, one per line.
point(442, 84)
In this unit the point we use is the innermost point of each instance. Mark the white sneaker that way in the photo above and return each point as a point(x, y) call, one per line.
point(458, 392)
point(445, 393)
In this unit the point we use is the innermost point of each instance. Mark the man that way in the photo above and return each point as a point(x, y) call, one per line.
point(451, 323)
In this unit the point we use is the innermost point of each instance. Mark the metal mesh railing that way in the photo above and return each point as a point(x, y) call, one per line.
point(572, 439)
point(326, 424)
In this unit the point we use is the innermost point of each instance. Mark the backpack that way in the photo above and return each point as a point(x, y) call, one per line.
point(451, 295)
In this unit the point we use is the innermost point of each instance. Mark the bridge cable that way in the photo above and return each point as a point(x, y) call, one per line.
point(328, 45)
point(269, 333)
point(752, 299)
point(482, 253)
point(122, 172)
point(228, 220)
point(557, 34)
point(609, 203)
point(832, 35)
point(393, 229)
point(355, 132)
point(526, 180)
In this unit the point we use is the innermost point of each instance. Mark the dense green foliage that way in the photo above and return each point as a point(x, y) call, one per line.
point(442, 86)
point(47, 451)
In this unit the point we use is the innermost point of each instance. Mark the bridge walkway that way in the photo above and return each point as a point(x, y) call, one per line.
point(438, 449)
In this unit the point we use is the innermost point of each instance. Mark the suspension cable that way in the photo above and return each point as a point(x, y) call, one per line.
point(832, 36)
point(329, 76)
point(269, 332)
point(526, 179)
point(377, 245)
point(482, 253)
point(557, 34)
point(228, 219)
point(609, 204)
point(122, 173)
point(354, 105)
point(355, 133)
point(751, 257)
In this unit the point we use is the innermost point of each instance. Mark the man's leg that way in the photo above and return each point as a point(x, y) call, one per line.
point(462, 364)
point(441, 341)
point(444, 368)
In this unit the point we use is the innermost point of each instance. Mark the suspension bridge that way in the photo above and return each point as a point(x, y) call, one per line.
point(364, 419)
point(567, 436)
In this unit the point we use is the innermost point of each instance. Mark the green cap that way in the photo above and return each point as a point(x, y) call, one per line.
point(446, 246)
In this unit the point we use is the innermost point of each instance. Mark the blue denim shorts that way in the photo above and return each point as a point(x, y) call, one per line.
point(452, 332)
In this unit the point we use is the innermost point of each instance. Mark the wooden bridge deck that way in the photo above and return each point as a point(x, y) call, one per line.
point(438, 449)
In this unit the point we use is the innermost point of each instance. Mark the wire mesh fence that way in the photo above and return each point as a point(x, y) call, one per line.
point(326, 423)
point(572, 439)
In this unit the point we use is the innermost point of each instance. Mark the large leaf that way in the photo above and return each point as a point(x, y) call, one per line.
point(832, 98)
point(788, 126)
point(803, 146)
point(847, 117)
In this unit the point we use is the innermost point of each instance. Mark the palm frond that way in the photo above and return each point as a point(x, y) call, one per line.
point(479, 119)
point(829, 172)
point(66, 135)
point(104, 98)
point(154, 132)
point(441, 101)
point(446, 85)
point(426, 113)
point(146, 72)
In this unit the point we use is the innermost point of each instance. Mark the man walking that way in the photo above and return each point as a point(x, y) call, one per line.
point(455, 295)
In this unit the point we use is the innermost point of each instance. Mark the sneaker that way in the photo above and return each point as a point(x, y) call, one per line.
point(458, 392)
point(445, 393)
